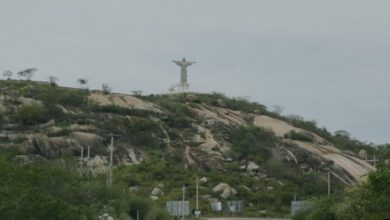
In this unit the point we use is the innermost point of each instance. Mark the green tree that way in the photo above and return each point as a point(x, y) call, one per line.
point(27, 73)
point(252, 143)
point(141, 205)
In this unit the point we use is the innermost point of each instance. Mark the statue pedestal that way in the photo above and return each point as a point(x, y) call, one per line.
point(180, 88)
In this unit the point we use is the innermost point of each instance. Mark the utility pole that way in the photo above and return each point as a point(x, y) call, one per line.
point(183, 206)
point(197, 211)
point(81, 160)
point(88, 152)
point(373, 161)
point(328, 183)
point(197, 194)
point(111, 148)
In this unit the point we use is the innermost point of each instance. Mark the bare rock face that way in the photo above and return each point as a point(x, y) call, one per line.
point(125, 101)
point(188, 156)
point(226, 190)
point(86, 139)
point(132, 157)
point(50, 147)
point(83, 128)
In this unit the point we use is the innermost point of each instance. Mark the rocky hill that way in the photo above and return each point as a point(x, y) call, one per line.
point(239, 148)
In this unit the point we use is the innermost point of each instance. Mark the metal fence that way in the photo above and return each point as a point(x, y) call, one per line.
point(216, 206)
point(178, 208)
point(297, 206)
point(236, 206)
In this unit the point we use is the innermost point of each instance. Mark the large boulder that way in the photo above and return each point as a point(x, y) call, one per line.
point(203, 179)
point(106, 216)
point(157, 192)
point(220, 187)
point(225, 189)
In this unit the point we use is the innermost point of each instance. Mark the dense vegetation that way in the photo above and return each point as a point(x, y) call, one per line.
point(47, 191)
point(370, 201)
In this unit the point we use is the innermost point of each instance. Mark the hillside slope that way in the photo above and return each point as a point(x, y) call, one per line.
point(208, 134)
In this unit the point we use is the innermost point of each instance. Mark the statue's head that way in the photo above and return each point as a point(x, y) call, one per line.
point(184, 59)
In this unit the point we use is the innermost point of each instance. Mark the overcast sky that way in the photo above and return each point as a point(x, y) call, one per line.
point(323, 60)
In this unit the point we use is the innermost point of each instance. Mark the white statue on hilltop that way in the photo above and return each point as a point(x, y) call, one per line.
point(183, 72)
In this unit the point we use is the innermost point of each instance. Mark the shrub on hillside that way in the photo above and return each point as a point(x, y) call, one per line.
point(2, 116)
point(64, 97)
point(178, 120)
point(140, 205)
point(232, 167)
point(144, 132)
point(252, 143)
point(30, 114)
point(158, 214)
point(299, 136)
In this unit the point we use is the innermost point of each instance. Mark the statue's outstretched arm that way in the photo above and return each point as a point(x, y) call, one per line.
point(177, 62)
